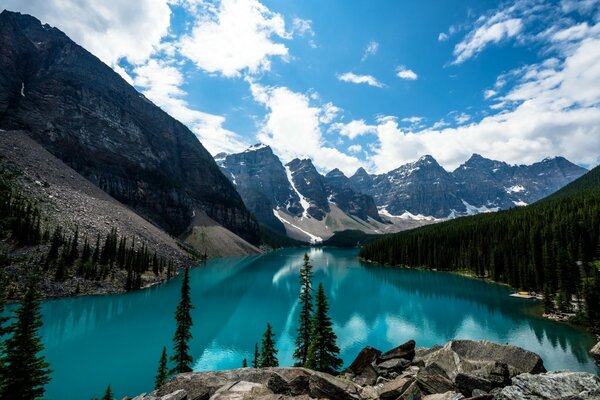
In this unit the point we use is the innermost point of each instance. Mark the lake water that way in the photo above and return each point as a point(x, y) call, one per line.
point(96, 340)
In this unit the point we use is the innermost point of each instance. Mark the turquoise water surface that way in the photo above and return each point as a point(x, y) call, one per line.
point(96, 340)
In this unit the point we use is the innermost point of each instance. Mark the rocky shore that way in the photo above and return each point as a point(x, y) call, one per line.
point(461, 369)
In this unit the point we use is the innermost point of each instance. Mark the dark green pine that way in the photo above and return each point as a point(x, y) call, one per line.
point(306, 310)
point(29, 372)
point(183, 331)
point(323, 351)
point(268, 356)
point(162, 374)
point(108, 395)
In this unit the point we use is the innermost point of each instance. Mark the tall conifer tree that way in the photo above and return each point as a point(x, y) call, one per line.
point(306, 310)
point(268, 355)
point(162, 374)
point(323, 351)
point(29, 372)
point(183, 332)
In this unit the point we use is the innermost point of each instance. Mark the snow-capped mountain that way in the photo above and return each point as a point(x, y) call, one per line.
point(297, 200)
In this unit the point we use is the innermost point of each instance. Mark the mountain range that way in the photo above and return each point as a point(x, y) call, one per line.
point(297, 200)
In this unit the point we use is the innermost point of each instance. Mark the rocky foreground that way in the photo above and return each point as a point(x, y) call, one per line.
point(461, 369)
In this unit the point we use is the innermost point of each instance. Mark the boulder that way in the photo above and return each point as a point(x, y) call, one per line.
point(444, 396)
point(467, 356)
point(394, 364)
point(517, 359)
point(367, 377)
point(393, 389)
point(364, 359)
point(468, 383)
point(323, 385)
point(431, 384)
point(595, 353)
point(405, 350)
point(552, 385)
point(411, 393)
point(177, 395)
point(241, 390)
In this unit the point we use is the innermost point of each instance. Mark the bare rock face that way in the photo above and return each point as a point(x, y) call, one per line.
point(595, 352)
point(481, 372)
point(85, 114)
point(552, 385)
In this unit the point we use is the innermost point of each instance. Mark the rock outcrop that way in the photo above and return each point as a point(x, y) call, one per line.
point(89, 117)
point(461, 369)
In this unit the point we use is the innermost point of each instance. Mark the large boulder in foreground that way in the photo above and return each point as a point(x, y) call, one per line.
point(552, 385)
point(481, 358)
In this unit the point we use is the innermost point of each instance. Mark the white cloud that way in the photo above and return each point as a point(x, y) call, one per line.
point(489, 93)
point(555, 110)
point(329, 112)
point(110, 29)
point(292, 128)
point(355, 148)
point(462, 118)
point(489, 30)
point(302, 27)
point(353, 78)
point(370, 50)
point(442, 37)
point(404, 73)
point(237, 36)
point(413, 120)
point(161, 83)
point(353, 129)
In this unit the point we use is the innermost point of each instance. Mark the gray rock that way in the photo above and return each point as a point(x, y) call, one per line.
point(411, 393)
point(326, 386)
point(595, 353)
point(431, 384)
point(552, 385)
point(177, 395)
point(444, 396)
point(467, 356)
point(393, 389)
point(367, 377)
point(395, 364)
point(405, 350)
point(364, 359)
point(468, 383)
point(241, 390)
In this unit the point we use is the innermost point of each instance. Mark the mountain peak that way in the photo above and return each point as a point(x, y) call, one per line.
point(335, 173)
point(360, 172)
point(258, 147)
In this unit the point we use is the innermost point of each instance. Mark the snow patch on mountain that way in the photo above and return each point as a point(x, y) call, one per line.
point(303, 202)
point(515, 189)
point(313, 238)
point(472, 210)
point(406, 215)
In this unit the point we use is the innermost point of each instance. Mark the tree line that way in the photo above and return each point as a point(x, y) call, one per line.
point(550, 246)
point(69, 255)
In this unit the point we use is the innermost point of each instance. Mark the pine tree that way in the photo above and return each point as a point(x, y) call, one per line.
point(29, 372)
point(244, 363)
point(183, 333)
point(323, 351)
point(163, 373)
point(108, 395)
point(268, 355)
point(306, 309)
point(255, 361)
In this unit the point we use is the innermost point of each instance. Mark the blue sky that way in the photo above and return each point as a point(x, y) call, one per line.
point(359, 83)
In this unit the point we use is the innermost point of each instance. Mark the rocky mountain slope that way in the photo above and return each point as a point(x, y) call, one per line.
point(86, 115)
point(295, 199)
point(461, 369)
point(478, 185)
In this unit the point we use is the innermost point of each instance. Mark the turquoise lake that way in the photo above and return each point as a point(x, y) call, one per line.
point(96, 340)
